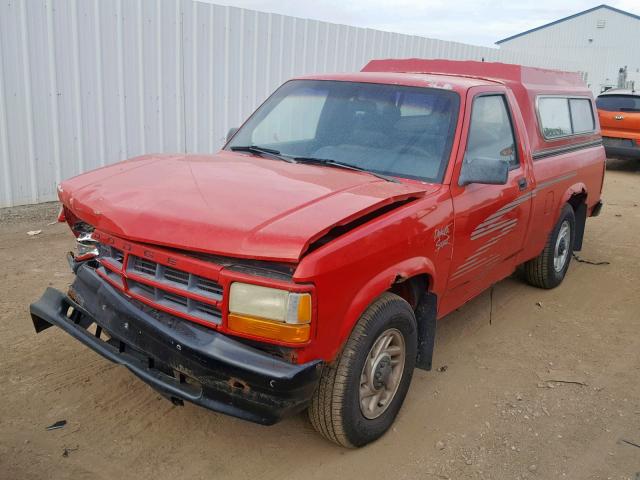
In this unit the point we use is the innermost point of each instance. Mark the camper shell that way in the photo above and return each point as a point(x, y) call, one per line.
point(527, 83)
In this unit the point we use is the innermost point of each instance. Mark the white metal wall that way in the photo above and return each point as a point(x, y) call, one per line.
point(85, 83)
point(599, 42)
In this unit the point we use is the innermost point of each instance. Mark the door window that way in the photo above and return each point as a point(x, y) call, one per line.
point(491, 133)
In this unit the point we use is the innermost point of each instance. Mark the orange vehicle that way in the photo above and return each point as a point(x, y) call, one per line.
point(619, 112)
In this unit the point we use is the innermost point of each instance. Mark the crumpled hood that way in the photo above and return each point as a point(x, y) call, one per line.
point(227, 204)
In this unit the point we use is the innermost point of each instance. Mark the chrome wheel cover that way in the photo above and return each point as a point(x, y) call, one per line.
point(382, 373)
point(561, 250)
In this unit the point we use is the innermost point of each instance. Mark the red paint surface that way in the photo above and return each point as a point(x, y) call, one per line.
point(247, 207)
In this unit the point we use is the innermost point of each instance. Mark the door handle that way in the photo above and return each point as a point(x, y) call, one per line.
point(522, 183)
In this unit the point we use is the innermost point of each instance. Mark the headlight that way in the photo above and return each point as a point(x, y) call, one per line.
point(269, 313)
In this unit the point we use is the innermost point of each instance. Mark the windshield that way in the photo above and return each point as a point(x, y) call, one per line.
point(619, 103)
point(388, 129)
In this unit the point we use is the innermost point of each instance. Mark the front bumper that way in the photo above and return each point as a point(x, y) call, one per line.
point(180, 359)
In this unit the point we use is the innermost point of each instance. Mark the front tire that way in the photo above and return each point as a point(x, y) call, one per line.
point(548, 269)
point(360, 394)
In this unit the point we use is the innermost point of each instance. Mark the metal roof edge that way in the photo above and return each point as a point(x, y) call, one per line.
point(608, 7)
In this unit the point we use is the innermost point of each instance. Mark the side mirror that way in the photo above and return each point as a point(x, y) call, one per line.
point(484, 170)
point(231, 133)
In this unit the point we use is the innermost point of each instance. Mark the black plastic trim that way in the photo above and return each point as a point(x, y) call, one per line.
point(622, 152)
point(551, 152)
point(426, 312)
point(227, 376)
point(597, 208)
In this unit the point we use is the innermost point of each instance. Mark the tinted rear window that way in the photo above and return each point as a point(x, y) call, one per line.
point(619, 103)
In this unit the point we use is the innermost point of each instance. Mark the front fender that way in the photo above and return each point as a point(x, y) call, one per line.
point(353, 270)
point(379, 284)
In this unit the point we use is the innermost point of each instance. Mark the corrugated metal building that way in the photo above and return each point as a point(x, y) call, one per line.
point(86, 83)
point(601, 40)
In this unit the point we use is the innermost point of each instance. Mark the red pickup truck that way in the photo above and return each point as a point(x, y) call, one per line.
point(304, 266)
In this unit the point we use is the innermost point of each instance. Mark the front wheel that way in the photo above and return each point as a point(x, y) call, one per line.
point(360, 395)
point(548, 269)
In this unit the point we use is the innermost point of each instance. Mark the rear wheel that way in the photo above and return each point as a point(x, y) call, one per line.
point(548, 269)
point(360, 395)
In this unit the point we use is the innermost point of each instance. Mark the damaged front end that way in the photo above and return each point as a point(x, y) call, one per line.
point(180, 359)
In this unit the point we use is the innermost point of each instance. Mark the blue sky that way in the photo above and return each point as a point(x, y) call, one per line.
point(476, 22)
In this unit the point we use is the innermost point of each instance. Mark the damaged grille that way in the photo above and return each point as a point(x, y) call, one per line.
point(165, 288)
point(143, 266)
point(174, 277)
point(176, 302)
point(111, 254)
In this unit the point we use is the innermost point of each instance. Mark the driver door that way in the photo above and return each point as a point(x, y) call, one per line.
point(490, 220)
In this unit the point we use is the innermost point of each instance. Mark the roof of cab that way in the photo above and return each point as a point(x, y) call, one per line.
point(446, 82)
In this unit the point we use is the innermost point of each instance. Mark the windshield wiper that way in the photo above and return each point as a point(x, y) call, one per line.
point(271, 152)
point(348, 166)
point(263, 151)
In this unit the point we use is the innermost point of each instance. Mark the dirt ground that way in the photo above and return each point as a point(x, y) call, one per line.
point(549, 389)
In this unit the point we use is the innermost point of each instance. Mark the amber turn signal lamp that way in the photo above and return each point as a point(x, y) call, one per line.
point(268, 329)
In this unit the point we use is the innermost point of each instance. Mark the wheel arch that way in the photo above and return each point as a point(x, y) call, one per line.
point(412, 280)
point(577, 196)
